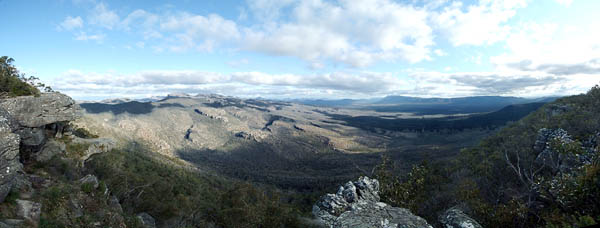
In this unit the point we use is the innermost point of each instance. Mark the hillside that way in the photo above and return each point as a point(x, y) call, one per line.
point(539, 171)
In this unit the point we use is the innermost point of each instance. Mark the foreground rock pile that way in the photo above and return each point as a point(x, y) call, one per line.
point(356, 204)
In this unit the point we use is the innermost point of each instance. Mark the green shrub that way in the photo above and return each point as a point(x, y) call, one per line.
point(87, 187)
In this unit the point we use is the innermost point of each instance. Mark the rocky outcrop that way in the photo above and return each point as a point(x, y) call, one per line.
point(9, 154)
point(356, 204)
point(456, 218)
point(25, 123)
point(96, 146)
point(48, 108)
point(146, 220)
point(550, 143)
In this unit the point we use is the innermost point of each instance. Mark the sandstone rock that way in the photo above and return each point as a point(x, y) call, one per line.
point(50, 149)
point(90, 179)
point(356, 204)
point(48, 108)
point(146, 220)
point(9, 155)
point(29, 210)
point(456, 218)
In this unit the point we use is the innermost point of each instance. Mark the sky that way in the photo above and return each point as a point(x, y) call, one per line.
point(279, 49)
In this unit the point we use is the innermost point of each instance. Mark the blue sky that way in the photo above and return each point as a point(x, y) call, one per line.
point(93, 49)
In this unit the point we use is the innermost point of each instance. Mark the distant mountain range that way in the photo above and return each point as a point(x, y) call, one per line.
point(427, 106)
point(416, 105)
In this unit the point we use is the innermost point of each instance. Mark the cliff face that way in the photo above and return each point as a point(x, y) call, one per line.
point(26, 123)
point(9, 154)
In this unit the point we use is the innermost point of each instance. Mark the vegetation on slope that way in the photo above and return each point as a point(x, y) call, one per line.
point(500, 183)
point(185, 198)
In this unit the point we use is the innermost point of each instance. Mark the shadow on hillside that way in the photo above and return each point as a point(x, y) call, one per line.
point(297, 169)
point(133, 107)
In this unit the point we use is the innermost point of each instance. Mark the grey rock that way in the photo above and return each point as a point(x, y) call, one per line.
point(9, 155)
point(76, 209)
point(146, 220)
point(29, 210)
point(456, 218)
point(32, 136)
point(13, 223)
point(97, 146)
point(50, 149)
point(548, 154)
point(113, 203)
point(48, 108)
point(558, 109)
point(356, 204)
point(4, 225)
point(90, 179)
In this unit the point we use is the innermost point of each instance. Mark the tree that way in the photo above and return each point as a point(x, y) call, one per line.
point(13, 83)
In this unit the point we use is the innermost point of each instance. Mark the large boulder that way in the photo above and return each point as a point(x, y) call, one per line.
point(9, 154)
point(48, 108)
point(456, 218)
point(356, 204)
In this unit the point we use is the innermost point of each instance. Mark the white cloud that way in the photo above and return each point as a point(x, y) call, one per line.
point(357, 33)
point(527, 84)
point(104, 17)
point(71, 23)
point(338, 84)
point(480, 24)
point(271, 85)
point(552, 48)
point(440, 52)
point(199, 32)
point(83, 36)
